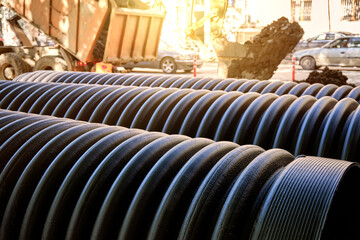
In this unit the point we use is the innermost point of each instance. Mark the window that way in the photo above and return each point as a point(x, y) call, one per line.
point(340, 43)
point(351, 10)
point(231, 3)
point(319, 37)
point(301, 10)
point(330, 36)
point(199, 2)
point(354, 43)
point(337, 35)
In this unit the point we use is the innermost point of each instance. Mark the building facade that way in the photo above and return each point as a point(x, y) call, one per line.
point(315, 16)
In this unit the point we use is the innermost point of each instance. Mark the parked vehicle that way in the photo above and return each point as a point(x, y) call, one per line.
point(86, 34)
point(170, 60)
point(320, 40)
point(343, 51)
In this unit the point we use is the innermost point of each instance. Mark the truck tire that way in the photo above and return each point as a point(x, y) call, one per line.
point(12, 65)
point(54, 63)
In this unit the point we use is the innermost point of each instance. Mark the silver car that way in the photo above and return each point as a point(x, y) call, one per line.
point(343, 51)
point(170, 60)
point(320, 40)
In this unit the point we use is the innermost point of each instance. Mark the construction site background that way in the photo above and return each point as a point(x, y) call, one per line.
point(36, 37)
point(244, 19)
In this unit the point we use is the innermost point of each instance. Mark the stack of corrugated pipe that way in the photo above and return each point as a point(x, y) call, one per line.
point(197, 83)
point(301, 125)
point(68, 179)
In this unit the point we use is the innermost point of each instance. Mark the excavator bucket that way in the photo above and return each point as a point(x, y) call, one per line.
point(258, 59)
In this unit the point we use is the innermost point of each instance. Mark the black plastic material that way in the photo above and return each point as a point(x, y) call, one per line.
point(300, 190)
point(77, 180)
point(207, 83)
point(303, 125)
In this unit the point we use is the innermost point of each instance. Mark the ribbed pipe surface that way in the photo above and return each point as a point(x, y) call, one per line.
point(317, 90)
point(278, 219)
point(301, 125)
point(66, 179)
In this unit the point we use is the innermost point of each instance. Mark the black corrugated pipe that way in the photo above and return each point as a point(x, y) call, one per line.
point(317, 90)
point(303, 125)
point(69, 179)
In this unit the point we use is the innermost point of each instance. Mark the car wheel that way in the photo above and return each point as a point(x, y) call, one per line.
point(168, 65)
point(308, 63)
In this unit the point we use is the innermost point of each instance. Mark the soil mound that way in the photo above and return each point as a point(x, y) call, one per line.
point(267, 50)
point(328, 76)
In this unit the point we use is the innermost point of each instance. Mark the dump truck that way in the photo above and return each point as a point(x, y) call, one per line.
point(85, 33)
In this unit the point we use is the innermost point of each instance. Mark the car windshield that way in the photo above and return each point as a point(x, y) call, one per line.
point(318, 37)
point(164, 45)
point(177, 45)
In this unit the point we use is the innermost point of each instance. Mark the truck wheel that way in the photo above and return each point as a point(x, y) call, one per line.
point(168, 65)
point(308, 63)
point(53, 63)
point(12, 65)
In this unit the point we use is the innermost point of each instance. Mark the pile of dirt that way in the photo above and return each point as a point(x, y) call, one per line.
point(328, 76)
point(267, 50)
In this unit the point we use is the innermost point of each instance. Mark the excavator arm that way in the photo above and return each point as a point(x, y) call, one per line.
point(216, 17)
point(225, 50)
point(244, 60)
